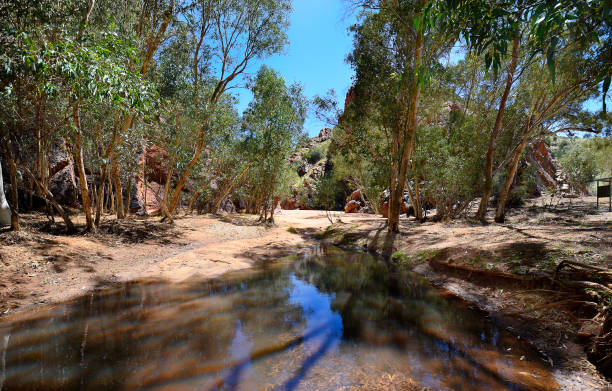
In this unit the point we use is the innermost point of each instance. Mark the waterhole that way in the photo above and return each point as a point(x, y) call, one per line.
point(327, 319)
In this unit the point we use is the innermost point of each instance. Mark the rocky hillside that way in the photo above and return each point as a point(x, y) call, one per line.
point(310, 161)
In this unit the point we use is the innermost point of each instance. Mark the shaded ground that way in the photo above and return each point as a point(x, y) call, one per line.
point(503, 269)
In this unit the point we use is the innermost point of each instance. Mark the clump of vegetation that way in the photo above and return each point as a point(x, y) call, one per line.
point(402, 257)
point(314, 155)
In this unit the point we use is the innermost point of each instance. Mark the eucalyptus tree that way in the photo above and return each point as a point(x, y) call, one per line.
point(227, 36)
point(273, 124)
point(519, 29)
point(5, 210)
point(550, 108)
point(144, 24)
point(396, 45)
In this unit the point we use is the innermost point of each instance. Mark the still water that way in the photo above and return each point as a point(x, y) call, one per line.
point(328, 319)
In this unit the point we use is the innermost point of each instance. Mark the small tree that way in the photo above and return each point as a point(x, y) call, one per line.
point(273, 124)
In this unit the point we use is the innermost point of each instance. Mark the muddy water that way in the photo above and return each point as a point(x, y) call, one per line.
point(326, 320)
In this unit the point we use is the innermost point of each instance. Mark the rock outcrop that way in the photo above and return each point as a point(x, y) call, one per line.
point(63, 179)
point(309, 169)
point(405, 206)
point(352, 207)
point(226, 207)
point(548, 174)
point(357, 203)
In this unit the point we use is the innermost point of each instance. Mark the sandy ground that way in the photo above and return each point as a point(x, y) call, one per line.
point(39, 266)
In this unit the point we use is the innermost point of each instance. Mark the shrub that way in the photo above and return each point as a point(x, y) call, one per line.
point(314, 155)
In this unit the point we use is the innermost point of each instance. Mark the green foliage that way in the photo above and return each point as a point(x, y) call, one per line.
point(450, 160)
point(579, 164)
point(314, 155)
point(402, 257)
point(325, 193)
point(272, 125)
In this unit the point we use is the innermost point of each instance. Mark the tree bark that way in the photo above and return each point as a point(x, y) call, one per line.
point(228, 190)
point(5, 210)
point(128, 191)
point(14, 192)
point(405, 140)
point(500, 214)
point(191, 202)
point(80, 164)
point(488, 179)
point(100, 198)
point(118, 189)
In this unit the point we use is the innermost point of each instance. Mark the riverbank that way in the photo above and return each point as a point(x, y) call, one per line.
point(515, 272)
point(485, 265)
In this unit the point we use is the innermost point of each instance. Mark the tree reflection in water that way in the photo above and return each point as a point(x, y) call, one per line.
point(328, 319)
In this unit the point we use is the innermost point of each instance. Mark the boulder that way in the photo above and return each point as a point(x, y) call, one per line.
point(155, 164)
point(357, 203)
point(63, 179)
point(366, 210)
point(324, 135)
point(290, 204)
point(146, 199)
point(548, 175)
point(226, 207)
point(303, 170)
point(318, 171)
point(404, 209)
point(357, 195)
point(405, 206)
point(352, 207)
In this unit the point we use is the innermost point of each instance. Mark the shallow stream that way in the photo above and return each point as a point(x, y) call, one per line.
point(328, 319)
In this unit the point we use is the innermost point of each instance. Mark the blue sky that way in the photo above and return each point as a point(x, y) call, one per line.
point(315, 57)
point(319, 43)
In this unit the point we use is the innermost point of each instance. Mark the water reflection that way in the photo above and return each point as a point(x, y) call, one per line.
point(330, 319)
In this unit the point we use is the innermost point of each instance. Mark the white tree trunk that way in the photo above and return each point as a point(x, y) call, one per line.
point(5, 211)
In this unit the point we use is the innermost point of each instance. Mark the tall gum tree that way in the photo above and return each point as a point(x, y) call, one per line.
point(150, 29)
point(232, 33)
point(395, 46)
point(552, 107)
point(491, 28)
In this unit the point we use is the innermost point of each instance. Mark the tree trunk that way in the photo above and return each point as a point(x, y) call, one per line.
point(191, 202)
point(192, 163)
point(405, 143)
point(118, 189)
point(164, 202)
point(14, 191)
point(500, 214)
point(78, 150)
point(126, 207)
point(100, 198)
point(111, 195)
point(488, 180)
point(5, 210)
point(229, 189)
point(418, 210)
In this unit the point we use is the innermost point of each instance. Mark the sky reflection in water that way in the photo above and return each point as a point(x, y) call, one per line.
point(329, 319)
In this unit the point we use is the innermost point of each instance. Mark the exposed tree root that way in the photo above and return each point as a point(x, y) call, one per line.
point(574, 284)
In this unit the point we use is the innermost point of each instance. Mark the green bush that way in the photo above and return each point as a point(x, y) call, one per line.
point(314, 155)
